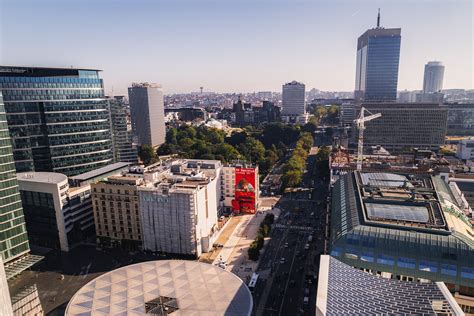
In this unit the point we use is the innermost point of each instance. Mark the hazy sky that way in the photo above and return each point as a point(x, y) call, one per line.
point(234, 45)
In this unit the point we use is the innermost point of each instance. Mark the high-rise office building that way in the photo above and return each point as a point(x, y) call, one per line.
point(148, 114)
point(433, 79)
point(57, 117)
point(406, 125)
point(122, 142)
point(293, 99)
point(378, 54)
point(13, 237)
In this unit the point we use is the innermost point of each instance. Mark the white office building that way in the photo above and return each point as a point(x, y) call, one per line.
point(148, 113)
point(465, 149)
point(293, 99)
point(178, 211)
point(433, 78)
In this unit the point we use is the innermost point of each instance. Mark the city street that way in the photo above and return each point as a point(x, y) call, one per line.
point(289, 266)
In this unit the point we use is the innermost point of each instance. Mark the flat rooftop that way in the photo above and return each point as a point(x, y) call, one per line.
point(99, 172)
point(400, 200)
point(41, 177)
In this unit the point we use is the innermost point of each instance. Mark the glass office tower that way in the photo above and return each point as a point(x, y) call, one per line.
point(58, 119)
point(378, 54)
point(13, 237)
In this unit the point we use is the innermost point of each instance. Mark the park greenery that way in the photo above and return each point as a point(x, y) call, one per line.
point(264, 231)
point(294, 168)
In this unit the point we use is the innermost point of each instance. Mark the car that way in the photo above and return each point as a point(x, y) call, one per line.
point(282, 260)
point(306, 291)
point(306, 300)
point(306, 247)
point(286, 245)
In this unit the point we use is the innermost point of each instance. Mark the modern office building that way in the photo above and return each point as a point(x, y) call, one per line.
point(5, 300)
point(148, 114)
point(404, 227)
point(343, 290)
point(460, 119)
point(121, 127)
point(58, 119)
point(116, 212)
point(433, 78)
point(164, 287)
point(347, 114)
point(406, 125)
point(378, 55)
point(13, 236)
point(57, 215)
point(293, 99)
point(434, 97)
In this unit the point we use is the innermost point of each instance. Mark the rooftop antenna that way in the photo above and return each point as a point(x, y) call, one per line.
point(378, 19)
point(201, 89)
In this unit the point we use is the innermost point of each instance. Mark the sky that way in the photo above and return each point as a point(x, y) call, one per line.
point(234, 45)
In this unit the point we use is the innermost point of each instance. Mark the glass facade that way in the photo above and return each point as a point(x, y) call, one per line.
point(378, 55)
point(122, 138)
point(421, 254)
point(13, 236)
point(58, 119)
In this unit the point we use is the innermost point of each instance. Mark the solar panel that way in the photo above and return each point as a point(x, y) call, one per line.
point(407, 213)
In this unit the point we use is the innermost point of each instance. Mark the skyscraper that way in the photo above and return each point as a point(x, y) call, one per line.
point(13, 237)
point(378, 54)
point(433, 79)
point(57, 117)
point(148, 114)
point(293, 97)
point(124, 150)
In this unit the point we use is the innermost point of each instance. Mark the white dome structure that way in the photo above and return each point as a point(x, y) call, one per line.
point(173, 287)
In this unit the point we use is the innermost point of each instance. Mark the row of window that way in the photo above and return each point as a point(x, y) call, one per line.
point(406, 263)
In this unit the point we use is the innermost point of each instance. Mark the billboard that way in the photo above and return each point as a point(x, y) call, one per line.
point(245, 190)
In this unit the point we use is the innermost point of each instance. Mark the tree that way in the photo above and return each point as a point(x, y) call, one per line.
point(171, 136)
point(320, 112)
point(253, 150)
point(253, 252)
point(147, 154)
point(228, 152)
point(236, 138)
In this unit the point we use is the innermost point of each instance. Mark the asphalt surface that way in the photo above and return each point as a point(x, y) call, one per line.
point(287, 270)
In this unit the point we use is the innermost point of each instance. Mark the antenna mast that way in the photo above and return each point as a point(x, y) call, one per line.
point(378, 19)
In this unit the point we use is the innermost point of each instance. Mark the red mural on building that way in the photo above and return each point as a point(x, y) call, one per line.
point(244, 201)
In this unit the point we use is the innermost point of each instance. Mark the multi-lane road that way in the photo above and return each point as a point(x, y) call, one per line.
point(289, 266)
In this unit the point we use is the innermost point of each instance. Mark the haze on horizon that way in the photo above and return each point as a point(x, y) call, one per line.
point(231, 45)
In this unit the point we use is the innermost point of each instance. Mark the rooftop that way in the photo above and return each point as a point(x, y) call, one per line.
point(41, 177)
point(343, 290)
point(161, 288)
point(99, 172)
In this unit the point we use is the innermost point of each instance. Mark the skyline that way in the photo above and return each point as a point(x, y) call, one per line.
point(234, 46)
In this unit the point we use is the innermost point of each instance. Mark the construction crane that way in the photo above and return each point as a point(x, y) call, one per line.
point(360, 123)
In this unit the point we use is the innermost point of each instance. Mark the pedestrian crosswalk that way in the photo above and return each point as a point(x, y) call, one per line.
point(306, 228)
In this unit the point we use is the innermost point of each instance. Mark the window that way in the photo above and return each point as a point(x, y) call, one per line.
point(406, 263)
point(449, 269)
point(467, 273)
point(387, 260)
point(367, 256)
point(428, 266)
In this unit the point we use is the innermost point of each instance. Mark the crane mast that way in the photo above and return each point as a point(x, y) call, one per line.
point(360, 123)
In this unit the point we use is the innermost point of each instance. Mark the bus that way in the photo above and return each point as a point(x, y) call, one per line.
point(253, 282)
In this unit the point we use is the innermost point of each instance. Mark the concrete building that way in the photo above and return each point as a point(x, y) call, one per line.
point(433, 78)
point(232, 195)
point(406, 125)
point(404, 227)
point(378, 55)
point(407, 96)
point(460, 119)
point(347, 114)
point(57, 216)
point(293, 99)
point(147, 110)
point(343, 290)
point(171, 206)
point(58, 119)
point(179, 213)
point(163, 287)
point(116, 212)
point(122, 137)
point(434, 97)
point(5, 301)
point(465, 149)
point(264, 95)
